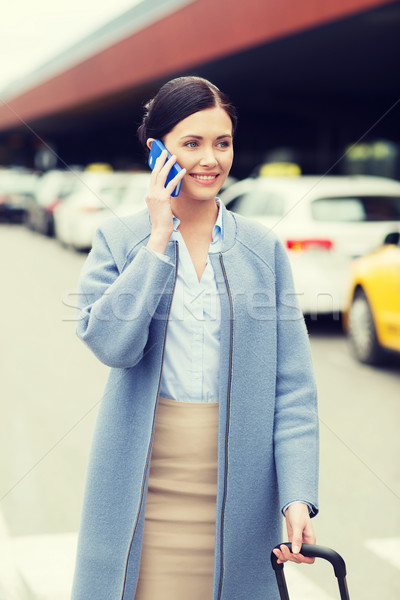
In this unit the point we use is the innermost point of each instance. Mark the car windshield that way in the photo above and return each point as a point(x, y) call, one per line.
point(359, 208)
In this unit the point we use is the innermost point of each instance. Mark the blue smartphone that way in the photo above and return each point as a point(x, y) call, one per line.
point(156, 148)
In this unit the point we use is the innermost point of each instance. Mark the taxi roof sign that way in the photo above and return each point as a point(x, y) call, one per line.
point(99, 167)
point(280, 169)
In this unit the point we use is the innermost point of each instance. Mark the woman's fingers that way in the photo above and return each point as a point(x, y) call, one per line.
point(175, 181)
point(161, 171)
point(160, 162)
point(300, 529)
point(163, 166)
point(283, 555)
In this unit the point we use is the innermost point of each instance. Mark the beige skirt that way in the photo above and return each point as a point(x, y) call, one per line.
point(179, 533)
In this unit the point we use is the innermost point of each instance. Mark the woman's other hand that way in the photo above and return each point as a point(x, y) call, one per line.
point(300, 530)
point(158, 200)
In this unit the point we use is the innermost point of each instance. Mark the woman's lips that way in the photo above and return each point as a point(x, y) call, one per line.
point(205, 178)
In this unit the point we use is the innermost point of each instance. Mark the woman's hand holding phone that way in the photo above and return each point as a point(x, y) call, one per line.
point(158, 200)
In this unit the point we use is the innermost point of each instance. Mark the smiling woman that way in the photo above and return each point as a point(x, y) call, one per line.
point(208, 429)
point(196, 122)
point(206, 152)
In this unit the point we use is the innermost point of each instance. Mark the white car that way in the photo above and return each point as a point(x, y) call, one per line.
point(17, 187)
point(324, 222)
point(101, 195)
point(133, 198)
point(51, 188)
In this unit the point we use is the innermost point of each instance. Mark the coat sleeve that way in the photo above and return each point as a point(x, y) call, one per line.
point(296, 441)
point(116, 308)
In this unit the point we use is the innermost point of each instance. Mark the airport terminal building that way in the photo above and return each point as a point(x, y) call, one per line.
point(315, 83)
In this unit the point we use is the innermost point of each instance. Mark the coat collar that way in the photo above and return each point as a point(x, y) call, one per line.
point(229, 228)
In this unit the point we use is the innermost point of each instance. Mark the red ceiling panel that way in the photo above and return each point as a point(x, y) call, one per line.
point(197, 33)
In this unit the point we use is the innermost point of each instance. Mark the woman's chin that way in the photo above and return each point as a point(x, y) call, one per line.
point(199, 192)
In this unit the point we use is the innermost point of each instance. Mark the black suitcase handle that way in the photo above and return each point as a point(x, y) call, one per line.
point(312, 551)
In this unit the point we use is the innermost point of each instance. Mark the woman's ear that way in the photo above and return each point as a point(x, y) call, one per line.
point(149, 142)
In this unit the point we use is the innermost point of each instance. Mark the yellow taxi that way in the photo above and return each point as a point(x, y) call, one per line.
point(372, 317)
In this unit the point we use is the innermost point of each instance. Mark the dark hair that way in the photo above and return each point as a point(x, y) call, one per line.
point(178, 99)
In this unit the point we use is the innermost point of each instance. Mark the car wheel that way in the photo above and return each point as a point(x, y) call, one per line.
point(362, 332)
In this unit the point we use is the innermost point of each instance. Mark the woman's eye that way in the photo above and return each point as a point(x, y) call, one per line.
point(223, 144)
point(191, 144)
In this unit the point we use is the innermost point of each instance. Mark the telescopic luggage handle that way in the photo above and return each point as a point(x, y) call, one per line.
point(313, 551)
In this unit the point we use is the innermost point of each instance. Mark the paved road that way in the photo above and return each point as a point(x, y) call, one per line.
point(50, 388)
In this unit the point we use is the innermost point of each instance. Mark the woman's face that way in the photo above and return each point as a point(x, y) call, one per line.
point(203, 145)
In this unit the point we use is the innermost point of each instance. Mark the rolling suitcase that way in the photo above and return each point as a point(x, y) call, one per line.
point(310, 550)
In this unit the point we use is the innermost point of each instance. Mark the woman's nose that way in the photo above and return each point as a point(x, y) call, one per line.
point(208, 158)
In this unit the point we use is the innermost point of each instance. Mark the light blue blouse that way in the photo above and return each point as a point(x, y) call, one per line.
point(191, 360)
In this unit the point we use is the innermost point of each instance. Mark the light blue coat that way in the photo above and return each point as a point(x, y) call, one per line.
point(268, 425)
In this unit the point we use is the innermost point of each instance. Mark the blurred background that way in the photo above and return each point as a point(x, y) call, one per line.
point(317, 159)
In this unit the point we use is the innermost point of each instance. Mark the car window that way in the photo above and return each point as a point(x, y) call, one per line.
point(259, 203)
point(359, 208)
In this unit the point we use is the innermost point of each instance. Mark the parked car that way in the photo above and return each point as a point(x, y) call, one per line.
point(372, 316)
point(324, 222)
point(51, 189)
point(231, 194)
point(16, 188)
point(133, 198)
point(101, 195)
